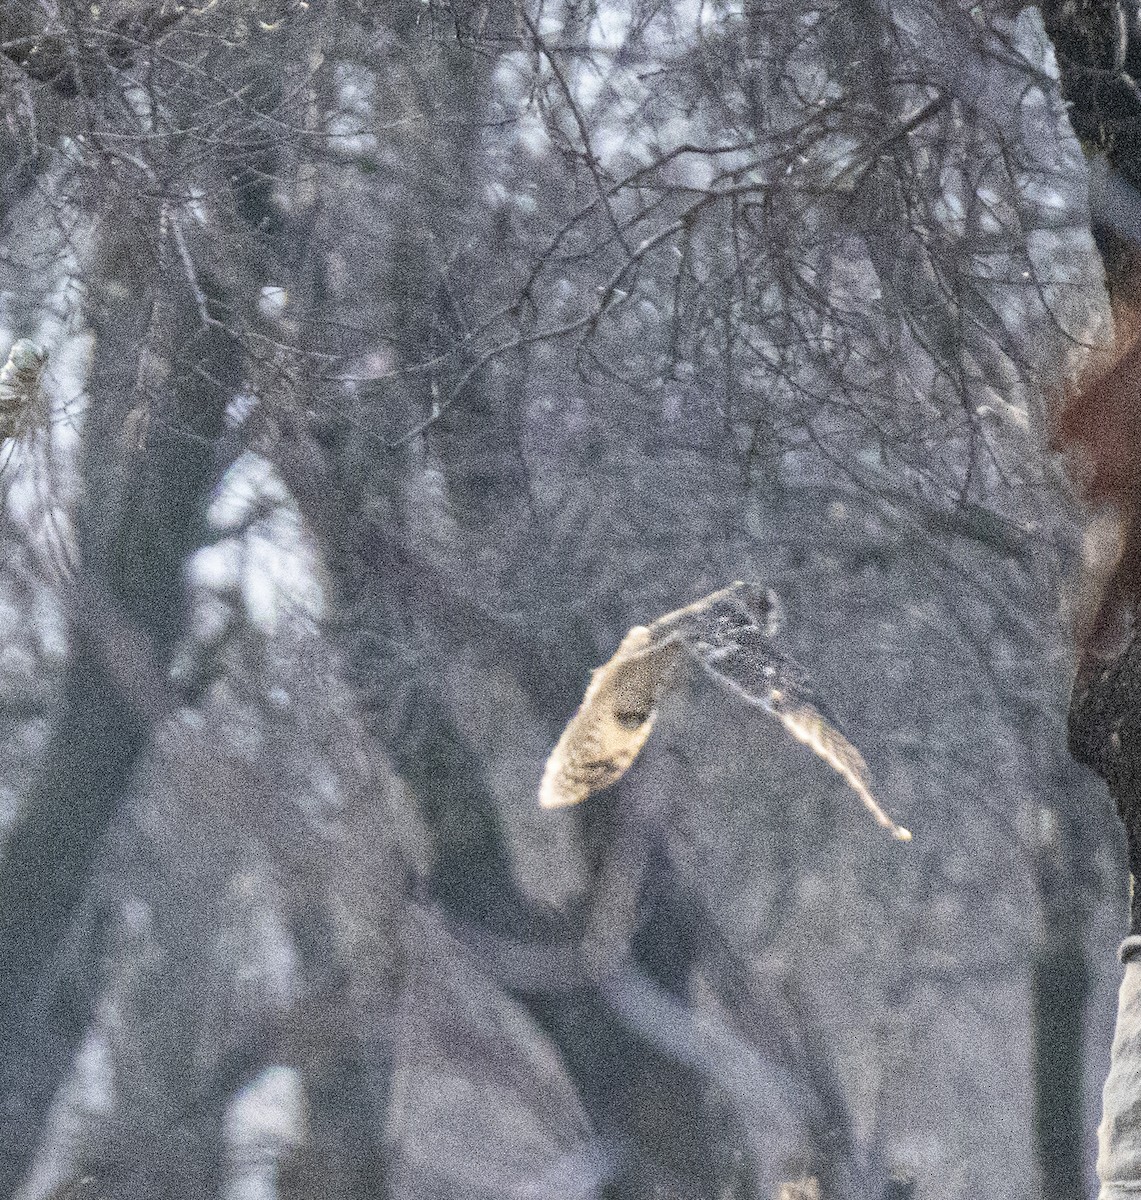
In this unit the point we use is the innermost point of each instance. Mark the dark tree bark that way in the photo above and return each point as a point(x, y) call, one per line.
point(1060, 985)
point(143, 515)
point(1098, 45)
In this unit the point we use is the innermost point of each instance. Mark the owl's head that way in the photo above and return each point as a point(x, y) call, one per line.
point(752, 605)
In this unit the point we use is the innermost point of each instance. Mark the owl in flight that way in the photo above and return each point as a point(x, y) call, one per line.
point(728, 634)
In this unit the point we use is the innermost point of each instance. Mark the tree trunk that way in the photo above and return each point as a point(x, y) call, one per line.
point(142, 516)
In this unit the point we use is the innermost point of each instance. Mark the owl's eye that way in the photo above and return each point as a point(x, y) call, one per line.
point(631, 719)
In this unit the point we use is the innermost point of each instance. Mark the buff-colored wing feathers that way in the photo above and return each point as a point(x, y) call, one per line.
point(748, 667)
point(728, 634)
point(808, 726)
point(613, 721)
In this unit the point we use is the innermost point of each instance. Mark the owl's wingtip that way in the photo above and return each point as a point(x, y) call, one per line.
point(552, 795)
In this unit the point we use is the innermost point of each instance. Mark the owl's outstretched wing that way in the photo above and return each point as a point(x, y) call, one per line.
point(613, 721)
point(743, 661)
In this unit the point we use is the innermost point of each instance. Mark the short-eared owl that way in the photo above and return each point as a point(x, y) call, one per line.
point(19, 387)
point(728, 634)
